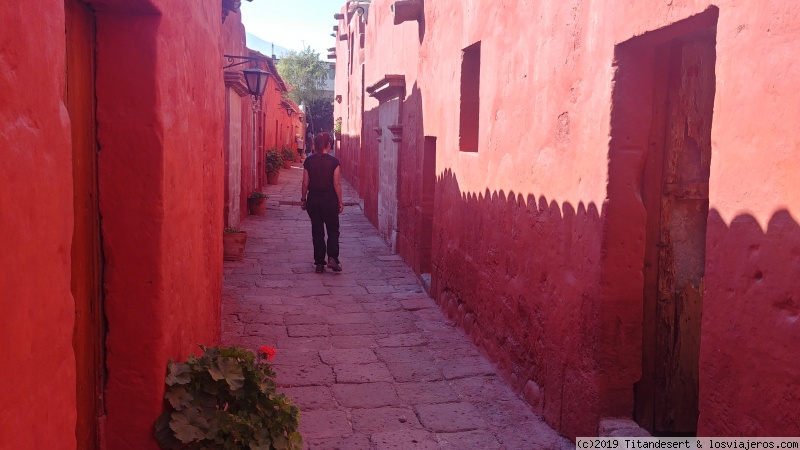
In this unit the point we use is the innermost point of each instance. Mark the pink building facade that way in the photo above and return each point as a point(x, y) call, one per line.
point(602, 195)
point(113, 135)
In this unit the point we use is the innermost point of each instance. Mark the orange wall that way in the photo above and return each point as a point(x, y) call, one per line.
point(159, 81)
point(538, 244)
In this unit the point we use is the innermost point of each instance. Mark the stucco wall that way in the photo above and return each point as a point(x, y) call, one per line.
point(161, 201)
point(750, 375)
point(239, 136)
point(160, 113)
point(532, 255)
point(36, 224)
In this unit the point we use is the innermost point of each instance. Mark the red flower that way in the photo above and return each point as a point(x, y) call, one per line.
point(267, 352)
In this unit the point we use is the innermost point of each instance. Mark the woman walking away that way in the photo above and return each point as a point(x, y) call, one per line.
point(321, 198)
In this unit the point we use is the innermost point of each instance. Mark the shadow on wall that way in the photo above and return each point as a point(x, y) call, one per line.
point(521, 275)
point(416, 185)
point(422, 21)
point(749, 376)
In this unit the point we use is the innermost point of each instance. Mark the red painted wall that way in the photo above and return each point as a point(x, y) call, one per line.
point(160, 114)
point(233, 43)
point(36, 224)
point(272, 121)
point(538, 237)
point(160, 184)
point(750, 374)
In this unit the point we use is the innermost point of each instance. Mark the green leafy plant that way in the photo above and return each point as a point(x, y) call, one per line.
point(226, 400)
point(287, 153)
point(337, 127)
point(257, 195)
point(273, 161)
point(306, 72)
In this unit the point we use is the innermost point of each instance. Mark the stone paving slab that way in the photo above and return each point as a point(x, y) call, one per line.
point(370, 360)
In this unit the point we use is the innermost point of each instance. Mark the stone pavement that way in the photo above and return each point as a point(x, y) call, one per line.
point(370, 360)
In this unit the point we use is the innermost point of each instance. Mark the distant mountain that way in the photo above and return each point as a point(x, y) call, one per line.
point(266, 48)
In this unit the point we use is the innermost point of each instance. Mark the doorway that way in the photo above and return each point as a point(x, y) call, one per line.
point(675, 195)
point(426, 209)
point(86, 256)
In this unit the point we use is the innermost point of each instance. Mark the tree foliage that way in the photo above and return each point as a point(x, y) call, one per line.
point(305, 72)
point(321, 114)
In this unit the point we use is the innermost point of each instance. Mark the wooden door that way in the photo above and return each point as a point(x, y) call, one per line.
point(86, 251)
point(676, 197)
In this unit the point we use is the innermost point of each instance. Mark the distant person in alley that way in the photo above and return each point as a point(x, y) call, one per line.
point(300, 146)
point(309, 143)
point(321, 198)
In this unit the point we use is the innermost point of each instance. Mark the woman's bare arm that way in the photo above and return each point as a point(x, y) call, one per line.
point(304, 189)
point(337, 185)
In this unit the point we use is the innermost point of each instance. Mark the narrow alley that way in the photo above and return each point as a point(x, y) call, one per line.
point(369, 358)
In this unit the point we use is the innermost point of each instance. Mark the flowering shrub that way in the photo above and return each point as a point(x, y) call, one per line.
point(226, 400)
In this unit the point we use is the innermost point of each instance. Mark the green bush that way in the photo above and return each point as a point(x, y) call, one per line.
point(273, 161)
point(287, 153)
point(337, 128)
point(226, 400)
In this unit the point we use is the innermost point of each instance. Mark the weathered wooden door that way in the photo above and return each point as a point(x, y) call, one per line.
point(677, 204)
point(86, 250)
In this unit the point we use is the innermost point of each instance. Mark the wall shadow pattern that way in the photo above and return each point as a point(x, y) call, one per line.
point(518, 274)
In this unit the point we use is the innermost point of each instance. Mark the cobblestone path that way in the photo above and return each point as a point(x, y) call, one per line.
point(370, 360)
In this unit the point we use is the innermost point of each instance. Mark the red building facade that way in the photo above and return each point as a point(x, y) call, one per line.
point(277, 121)
point(112, 125)
point(120, 134)
point(601, 195)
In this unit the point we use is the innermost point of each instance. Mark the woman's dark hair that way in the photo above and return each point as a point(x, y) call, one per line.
point(322, 140)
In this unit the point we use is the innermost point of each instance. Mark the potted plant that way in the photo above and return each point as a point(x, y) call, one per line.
point(273, 164)
point(233, 242)
point(337, 129)
point(257, 203)
point(288, 156)
point(226, 399)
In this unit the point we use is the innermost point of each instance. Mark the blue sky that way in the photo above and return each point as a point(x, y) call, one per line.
point(291, 23)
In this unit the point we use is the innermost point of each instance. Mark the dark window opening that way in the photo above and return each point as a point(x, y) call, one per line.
point(469, 123)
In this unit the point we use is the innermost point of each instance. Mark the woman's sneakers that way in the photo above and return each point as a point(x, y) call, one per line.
point(334, 264)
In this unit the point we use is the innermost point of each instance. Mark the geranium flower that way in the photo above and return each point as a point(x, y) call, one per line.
point(267, 352)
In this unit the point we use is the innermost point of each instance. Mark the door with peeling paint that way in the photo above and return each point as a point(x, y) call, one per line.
point(676, 196)
point(86, 260)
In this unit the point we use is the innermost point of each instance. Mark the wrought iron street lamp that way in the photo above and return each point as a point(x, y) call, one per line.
point(256, 80)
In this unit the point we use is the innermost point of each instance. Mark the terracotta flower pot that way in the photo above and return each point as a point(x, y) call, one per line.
point(257, 207)
point(272, 177)
point(233, 246)
point(287, 164)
